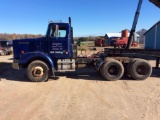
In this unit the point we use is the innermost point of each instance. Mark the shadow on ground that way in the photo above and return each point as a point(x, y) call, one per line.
point(82, 73)
point(6, 72)
point(88, 74)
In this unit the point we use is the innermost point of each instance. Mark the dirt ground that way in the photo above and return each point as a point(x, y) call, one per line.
point(80, 95)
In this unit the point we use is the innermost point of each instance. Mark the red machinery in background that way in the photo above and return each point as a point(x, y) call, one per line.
point(100, 42)
point(122, 42)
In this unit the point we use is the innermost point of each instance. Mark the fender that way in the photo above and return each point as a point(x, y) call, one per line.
point(27, 57)
point(98, 64)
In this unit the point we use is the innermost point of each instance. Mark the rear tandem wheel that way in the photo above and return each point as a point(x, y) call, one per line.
point(112, 70)
point(139, 69)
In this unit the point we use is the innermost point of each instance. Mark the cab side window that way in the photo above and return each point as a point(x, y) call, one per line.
point(62, 32)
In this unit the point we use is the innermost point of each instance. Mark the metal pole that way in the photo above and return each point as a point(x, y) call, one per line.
point(134, 24)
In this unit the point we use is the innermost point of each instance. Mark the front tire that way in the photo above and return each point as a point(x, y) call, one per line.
point(38, 71)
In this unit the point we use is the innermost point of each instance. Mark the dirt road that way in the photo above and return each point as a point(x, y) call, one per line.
point(81, 95)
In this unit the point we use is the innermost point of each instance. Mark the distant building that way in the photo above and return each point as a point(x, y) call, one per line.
point(152, 37)
point(110, 37)
point(141, 35)
point(113, 35)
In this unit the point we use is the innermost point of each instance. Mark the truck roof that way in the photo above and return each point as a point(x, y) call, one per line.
point(60, 23)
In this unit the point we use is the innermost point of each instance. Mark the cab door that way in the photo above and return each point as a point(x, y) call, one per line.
point(58, 41)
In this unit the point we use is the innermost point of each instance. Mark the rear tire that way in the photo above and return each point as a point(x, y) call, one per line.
point(139, 69)
point(112, 70)
point(129, 69)
point(38, 71)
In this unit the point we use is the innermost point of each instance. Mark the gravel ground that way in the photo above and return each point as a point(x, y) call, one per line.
point(80, 95)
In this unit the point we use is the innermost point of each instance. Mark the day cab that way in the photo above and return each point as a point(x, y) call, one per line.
point(43, 56)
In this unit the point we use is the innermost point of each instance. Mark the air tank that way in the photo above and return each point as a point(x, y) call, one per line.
point(124, 33)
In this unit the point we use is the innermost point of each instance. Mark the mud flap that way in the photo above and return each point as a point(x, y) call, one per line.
point(53, 73)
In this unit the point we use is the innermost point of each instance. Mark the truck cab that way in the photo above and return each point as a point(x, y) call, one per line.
point(43, 56)
point(56, 43)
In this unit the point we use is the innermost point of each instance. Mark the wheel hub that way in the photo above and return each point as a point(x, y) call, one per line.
point(141, 70)
point(37, 71)
point(112, 70)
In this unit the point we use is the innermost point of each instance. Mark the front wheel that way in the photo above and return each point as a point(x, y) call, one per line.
point(38, 71)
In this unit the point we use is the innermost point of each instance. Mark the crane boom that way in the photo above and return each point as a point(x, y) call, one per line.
point(134, 24)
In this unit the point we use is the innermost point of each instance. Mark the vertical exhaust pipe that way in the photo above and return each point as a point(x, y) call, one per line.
point(71, 32)
point(69, 20)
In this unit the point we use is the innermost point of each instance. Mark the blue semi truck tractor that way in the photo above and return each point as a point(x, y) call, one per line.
point(56, 52)
point(43, 56)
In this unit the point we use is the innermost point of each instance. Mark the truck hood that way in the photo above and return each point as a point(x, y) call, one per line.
point(21, 46)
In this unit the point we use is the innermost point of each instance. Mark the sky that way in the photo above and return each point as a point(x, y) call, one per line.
point(89, 17)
